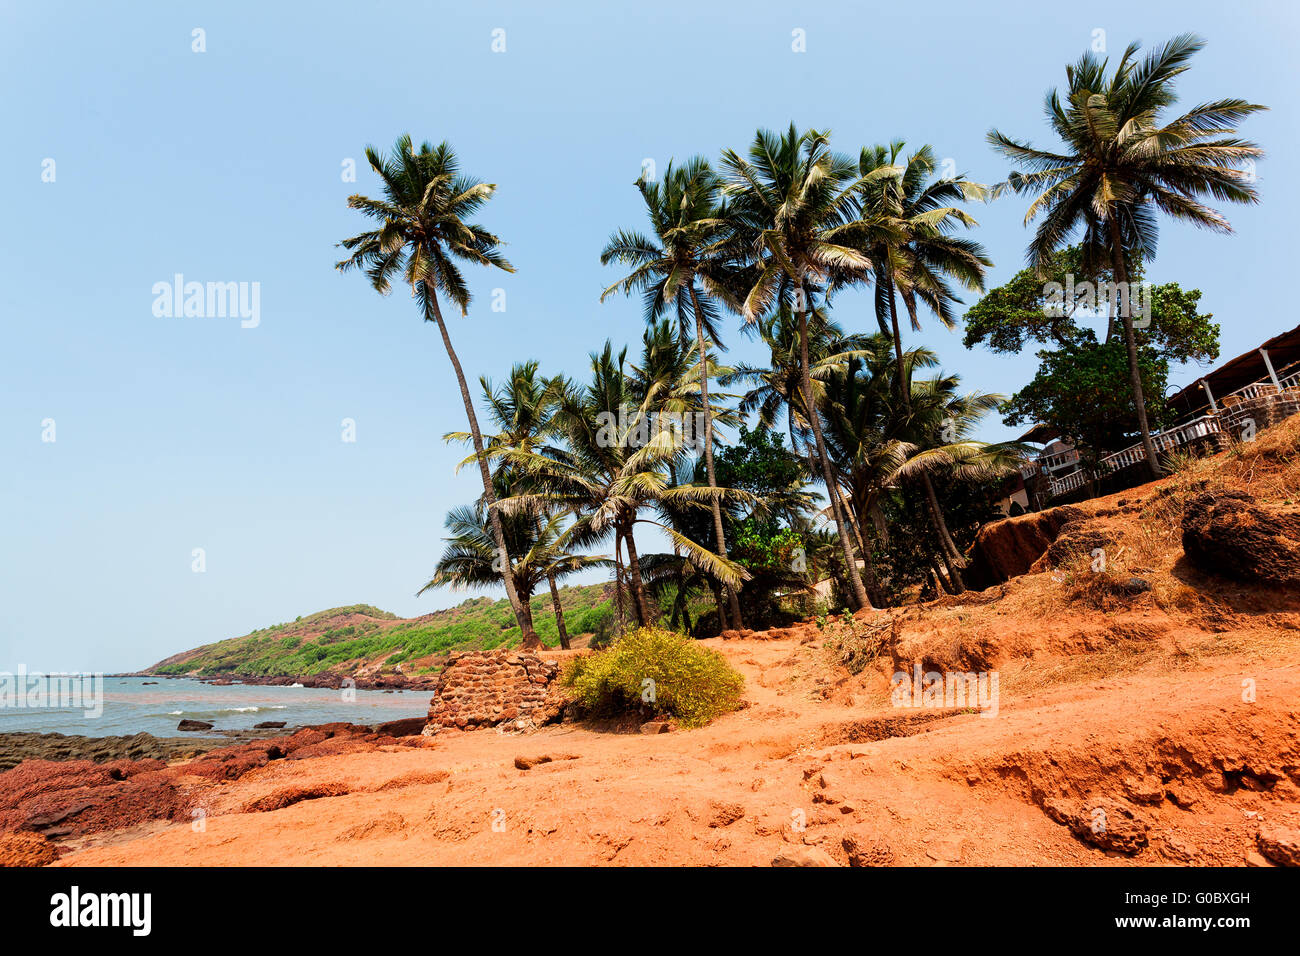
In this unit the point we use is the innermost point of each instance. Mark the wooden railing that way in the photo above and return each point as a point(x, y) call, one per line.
point(1235, 408)
point(1187, 432)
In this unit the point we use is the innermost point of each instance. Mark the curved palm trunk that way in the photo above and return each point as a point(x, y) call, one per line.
point(559, 612)
point(1120, 270)
point(527, 604)
point(619, 602)
point(708, 448)
point(953, 559)
point(634, 572)
point(855, 580)
point(523, 616)
point(870, 581)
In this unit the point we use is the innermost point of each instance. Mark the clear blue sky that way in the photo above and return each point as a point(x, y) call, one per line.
point(179, 433)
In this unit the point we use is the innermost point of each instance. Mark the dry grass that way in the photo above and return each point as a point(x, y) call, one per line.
point(1086, 620)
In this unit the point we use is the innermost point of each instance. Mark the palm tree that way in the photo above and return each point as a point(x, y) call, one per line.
point(936, 426)
point(797, 217)
point(615, 465)
point(523, 412)
point(878, 443)
point(1122, 164)
point(918, 260)
point(471, 556)
point(677, 269)
point(778, 386)
point(423, 231)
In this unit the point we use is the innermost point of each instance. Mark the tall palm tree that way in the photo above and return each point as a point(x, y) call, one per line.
point(523, 412)
point(1123, 163)
point(423, 232)
point(920, 261)
point(778, 385)
point(936, 427)
point(794, 204)
point(683, 267)
point(471, 556)
point(878, 443)
point(614, 466)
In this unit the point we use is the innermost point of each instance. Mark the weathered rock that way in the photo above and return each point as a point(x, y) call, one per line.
point(1008, 548)
point(867, 848)
point(804, 856)
point(528, 763)
point(17, 747)
point(724, 814)
point(655, 727)
point(288, 796)
point(407, 727)
point(1280, 844)
point(1147, 789)
point(946, 849)
point(1227, 533)
point(26, 849)
point(1104, 823)
point(1074, 540)
point(188, 724)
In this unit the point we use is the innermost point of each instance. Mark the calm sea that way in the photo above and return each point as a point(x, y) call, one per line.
point(131, 706)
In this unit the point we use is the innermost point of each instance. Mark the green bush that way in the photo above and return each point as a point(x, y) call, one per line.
point(690, 682)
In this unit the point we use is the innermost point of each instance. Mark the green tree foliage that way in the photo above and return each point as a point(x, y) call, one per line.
point(1083, 383)
point(656, 672)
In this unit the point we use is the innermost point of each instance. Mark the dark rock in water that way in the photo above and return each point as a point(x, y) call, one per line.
point(148, 683)
point(1227, 533)
point(17, 747)
point(188, 724)
point(269, 725)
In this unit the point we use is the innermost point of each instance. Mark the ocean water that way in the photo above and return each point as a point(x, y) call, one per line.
point(131, 706)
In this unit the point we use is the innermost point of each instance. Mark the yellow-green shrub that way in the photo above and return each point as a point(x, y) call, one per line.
point(692, 683)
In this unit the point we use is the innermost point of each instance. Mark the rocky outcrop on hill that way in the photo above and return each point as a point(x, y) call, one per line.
point(508, 689)
point(1228, 533)
point(1008, 548)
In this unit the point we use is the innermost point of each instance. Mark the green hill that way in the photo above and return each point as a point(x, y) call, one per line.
point(362, 636)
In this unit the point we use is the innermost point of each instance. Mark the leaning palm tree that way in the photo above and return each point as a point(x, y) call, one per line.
point(683, 267)
point(920, 261)
point(614, 467)
point(471, 557)
point(523, 412)
point(794, 205)
point(1123, 163)
point(936, 428)
point(423, 231)
point(878, 443)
